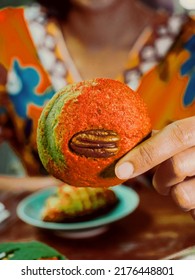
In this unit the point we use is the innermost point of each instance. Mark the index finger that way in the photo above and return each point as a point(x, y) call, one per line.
point(171, 140)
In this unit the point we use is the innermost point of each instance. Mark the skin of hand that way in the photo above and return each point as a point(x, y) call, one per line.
point(17, 184)
point(172, 151)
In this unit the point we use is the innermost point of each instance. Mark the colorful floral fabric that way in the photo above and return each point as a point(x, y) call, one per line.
point(168, 88)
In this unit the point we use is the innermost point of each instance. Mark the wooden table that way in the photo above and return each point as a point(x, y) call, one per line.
point(156, 229)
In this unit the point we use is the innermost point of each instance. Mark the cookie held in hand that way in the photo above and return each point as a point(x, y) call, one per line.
point(86, 127)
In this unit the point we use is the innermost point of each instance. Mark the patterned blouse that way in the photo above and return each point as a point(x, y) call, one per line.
point(35, 63)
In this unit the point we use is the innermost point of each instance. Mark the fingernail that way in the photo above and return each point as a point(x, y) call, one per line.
point(124, 171)
point(160, 189)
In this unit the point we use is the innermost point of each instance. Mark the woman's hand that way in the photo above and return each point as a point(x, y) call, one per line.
point(30, 184)
point(172, 150)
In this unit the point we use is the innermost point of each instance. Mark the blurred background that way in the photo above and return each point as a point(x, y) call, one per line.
point(177, 6)
point(4, 3)
point(168, 4)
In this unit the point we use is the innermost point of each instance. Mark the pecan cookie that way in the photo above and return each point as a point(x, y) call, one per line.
point(86, 127)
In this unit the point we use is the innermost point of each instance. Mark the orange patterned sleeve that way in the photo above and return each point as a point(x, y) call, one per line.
point(168, 89)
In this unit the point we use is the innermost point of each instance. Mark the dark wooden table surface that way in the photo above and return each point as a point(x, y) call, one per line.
point(156, 229)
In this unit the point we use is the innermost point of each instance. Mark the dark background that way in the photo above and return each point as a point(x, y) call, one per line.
point(4, 3)
point(172, 5)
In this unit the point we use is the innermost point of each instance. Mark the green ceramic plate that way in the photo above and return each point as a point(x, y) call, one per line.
point(29, 210)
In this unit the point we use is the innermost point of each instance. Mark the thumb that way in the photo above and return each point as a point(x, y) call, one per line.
point(164, 144)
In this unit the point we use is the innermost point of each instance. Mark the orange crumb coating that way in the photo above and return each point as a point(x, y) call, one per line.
point(95, 104)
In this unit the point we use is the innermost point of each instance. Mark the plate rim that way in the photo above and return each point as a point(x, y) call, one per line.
point(121, 192)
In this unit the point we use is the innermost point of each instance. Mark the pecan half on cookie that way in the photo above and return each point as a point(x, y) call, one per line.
point(95, 143)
